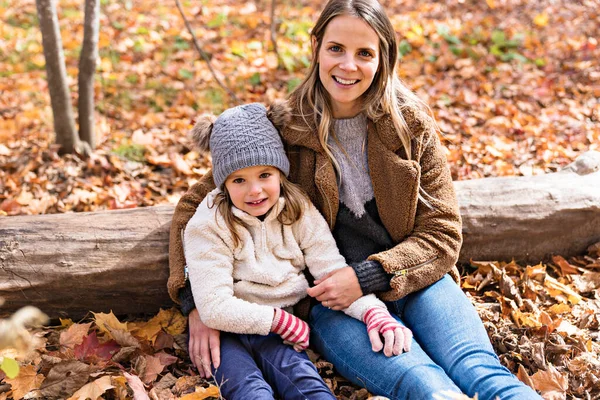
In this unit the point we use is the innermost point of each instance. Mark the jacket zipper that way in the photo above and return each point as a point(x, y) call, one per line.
point(405, 271)
point(264, 236)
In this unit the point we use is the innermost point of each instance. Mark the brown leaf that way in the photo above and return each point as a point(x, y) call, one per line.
point(552, 384)
point(120, 384)
point(64, 379)
point(27, 380)
point(122, 337)
point(74, 335)
point(587, 282)
point(154, 365)
point(524, 377)
point(93, 390)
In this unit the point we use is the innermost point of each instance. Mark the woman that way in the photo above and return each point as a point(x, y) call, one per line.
point(366, 151)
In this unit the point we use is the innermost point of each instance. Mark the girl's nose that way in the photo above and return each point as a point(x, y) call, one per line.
point(255, 188)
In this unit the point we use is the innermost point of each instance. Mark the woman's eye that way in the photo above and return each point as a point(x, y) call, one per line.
point(365, 53)
point(335, 48)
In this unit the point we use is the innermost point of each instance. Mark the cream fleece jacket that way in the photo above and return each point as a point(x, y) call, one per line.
point(237, 289)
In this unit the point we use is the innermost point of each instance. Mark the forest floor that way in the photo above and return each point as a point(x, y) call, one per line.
point(515, 88)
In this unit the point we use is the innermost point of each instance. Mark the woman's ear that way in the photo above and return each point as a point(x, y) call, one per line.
point(202, 130)
point(279, 113)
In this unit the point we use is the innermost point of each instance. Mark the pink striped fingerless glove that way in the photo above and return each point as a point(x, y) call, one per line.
point(397, 337)
point(379, 319)
point(292, 329)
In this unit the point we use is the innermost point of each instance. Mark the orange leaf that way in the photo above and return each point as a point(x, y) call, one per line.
point(565, 267)
point(25, 382)
point(202, 393)
point(74, 335)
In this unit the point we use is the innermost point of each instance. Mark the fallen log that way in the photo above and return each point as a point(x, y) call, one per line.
point(69, 264)
point(530, 218)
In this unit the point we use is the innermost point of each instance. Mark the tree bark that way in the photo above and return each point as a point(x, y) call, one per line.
point(69, 264)
point(87, 68)
point(62, 110)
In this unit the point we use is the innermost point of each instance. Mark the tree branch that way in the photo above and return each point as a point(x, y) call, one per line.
point(204, 55)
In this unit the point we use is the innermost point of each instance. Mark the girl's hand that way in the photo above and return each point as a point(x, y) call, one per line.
point(397, 337)
point(204, 345)
point(338, 289)
point(292, 329)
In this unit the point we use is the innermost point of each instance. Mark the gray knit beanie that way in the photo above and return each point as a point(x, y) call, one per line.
point(241, 137)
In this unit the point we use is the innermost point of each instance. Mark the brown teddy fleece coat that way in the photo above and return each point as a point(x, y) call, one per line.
point(428, 235)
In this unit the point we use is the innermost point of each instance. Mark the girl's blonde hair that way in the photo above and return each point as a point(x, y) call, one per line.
point(295, 203)
point(386, 95)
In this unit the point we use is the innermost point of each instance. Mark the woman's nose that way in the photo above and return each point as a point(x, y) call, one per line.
point(348, 64)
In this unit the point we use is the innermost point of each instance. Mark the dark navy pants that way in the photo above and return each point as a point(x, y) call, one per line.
point(262, 367)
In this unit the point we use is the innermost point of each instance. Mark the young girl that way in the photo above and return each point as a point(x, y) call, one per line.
point(247, 246)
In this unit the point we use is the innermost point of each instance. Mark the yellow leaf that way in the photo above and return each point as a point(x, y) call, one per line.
point(93, 390)
point(491, 4)
point(65, 323)
point(560, 309)
point(25, 382)
point(171, 320)
point(202, 393)
point(108, 320)
point(541, 19)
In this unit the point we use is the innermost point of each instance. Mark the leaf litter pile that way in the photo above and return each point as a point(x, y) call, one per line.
point(514, 86)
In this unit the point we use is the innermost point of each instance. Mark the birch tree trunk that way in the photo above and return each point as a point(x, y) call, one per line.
point(87, 67)
point(62, 111)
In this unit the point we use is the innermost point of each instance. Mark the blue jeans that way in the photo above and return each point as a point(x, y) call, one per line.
point(450, 351)
point(254, 367)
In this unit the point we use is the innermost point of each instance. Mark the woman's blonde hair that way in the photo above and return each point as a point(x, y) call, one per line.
point(295, 203)
point(386, 95)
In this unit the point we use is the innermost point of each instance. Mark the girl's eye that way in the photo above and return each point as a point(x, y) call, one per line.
point(238, 180)
point(265, 175)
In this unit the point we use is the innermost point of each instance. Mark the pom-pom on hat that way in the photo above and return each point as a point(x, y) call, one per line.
point(242, 137)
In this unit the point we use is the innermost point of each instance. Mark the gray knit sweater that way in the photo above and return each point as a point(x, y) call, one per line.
point(358, 231)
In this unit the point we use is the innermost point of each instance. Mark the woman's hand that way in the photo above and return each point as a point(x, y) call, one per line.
point(204, 345)
point(337, 290)
point(397, 338)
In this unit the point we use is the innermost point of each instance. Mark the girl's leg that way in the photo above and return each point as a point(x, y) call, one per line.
point(238, 376)
point(343, 341)
point(448, 328)
point(291, 374)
